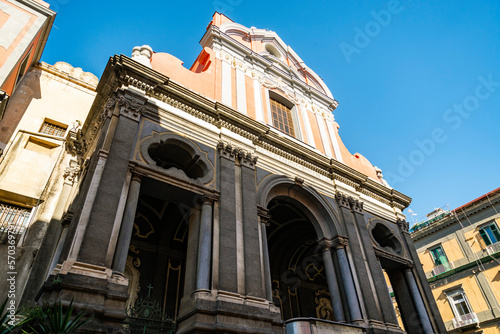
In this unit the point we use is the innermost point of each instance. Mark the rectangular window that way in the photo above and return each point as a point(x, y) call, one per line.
point(461, 308)
point(13, 220)
point(490, 234)
point(282, 117)
point(438, 255)
point(53, 129)
point(440, 260)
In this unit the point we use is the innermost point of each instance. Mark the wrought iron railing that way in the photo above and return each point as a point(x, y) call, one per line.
point(465, 320)
point(13, 221)
point(146, 316)
point(442, 268)
point(493, 248)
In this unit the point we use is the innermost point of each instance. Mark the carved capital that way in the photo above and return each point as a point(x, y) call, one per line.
point(404, 225)
point(325, 244)
point(340, 242)
point(137, 177)
point(132, 109)
point(247, 159)
point(342, 200)
point(356, 206)
point(263, 215)
point(209, 199)
point(226, 150)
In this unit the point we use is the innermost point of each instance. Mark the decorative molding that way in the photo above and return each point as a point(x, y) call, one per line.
point(71, 173)
point(385, 254)
point(188, 109)
point(122, 70)
point(130, 108)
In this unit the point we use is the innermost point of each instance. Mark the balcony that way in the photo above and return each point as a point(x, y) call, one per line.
point(442, 268)
point(465, 320)
point(494, 248)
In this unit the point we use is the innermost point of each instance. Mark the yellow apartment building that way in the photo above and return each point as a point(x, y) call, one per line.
point(460, 254)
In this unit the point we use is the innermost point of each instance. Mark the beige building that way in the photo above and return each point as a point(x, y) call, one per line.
point(38, 167)
point(460, 255)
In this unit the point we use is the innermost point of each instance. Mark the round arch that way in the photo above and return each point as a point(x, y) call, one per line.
point(325, 220)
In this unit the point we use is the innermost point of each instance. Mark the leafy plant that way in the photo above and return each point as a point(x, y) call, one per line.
point(54, 319)
point(7, 324)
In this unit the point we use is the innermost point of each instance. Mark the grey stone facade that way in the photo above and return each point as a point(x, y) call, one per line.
point(215, 236)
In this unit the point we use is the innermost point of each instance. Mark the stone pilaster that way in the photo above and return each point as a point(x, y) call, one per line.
point(382, 299)
point(360, 261)
point(228, 279)
point(421, 279)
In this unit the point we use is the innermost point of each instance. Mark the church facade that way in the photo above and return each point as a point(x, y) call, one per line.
point(222, 199)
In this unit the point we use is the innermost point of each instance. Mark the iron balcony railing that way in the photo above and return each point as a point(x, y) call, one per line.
point(493, 248)
point(13, 221)
point(442, 268)
point(465, 320)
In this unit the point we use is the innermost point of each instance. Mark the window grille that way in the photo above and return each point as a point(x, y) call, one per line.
point(282, 117)
point(13, 220)
point(53, 129)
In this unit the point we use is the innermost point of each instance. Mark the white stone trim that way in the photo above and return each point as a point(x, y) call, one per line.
point(241, 94)
point(336, 147)
point(324, 136)
point(226, 86)
point(259, 110)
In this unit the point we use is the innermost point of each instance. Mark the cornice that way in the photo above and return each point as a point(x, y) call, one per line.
point(122, 71)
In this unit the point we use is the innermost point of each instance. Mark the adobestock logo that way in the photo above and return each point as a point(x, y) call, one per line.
point(372, 29)
point(226, 6)
point(453, 116)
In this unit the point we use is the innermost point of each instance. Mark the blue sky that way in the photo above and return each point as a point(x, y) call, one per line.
point(418, 81)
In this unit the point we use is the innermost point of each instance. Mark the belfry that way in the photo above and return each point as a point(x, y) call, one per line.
point(221, 199)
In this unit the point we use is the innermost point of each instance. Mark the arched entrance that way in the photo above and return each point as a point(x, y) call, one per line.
point(298, 273)
point(304, 239)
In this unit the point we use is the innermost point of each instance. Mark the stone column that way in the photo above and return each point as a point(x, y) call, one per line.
point(205, 245)
point(264, 222)
point(121, 252)
point(419, 304)
point(60, 244)
point(331, 277)
point(347, 282)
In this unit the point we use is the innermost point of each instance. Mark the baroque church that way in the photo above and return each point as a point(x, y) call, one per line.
point(215, 199)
